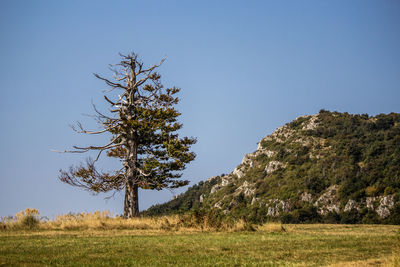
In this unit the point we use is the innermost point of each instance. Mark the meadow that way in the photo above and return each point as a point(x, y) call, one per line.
point(97, 239)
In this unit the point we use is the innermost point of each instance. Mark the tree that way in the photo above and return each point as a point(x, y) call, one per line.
point(143, 124)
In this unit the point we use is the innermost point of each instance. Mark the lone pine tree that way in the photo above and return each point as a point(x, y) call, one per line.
point(143, 124)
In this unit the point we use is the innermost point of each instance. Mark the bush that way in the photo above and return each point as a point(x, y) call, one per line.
point(204, 219)
point(308, 214)
point(331, 217)
point(370, 217)
point(288, 218)
point(305, 214)
point(28, 218)
point(394, 217)
point(371, 191)
point(30, 221)
point(350, 217)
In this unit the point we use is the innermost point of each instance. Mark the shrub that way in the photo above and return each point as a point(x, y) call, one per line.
point(28, 219)
point(394, 217)
point(350, 217)
point(371, 191)
point(389, 190)
point(370, 217)
point(331, 217)
point(288, 218)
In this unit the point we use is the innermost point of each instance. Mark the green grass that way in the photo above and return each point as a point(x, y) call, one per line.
point(300, 245)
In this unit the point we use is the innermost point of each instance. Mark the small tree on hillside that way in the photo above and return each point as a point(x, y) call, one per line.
point(143, 124)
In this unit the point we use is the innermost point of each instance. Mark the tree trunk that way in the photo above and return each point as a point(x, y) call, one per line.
point(131, 203)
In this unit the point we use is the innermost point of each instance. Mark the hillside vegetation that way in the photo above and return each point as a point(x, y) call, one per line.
point(330, 167)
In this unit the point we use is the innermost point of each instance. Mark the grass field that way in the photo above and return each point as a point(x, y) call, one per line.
point(270, 245)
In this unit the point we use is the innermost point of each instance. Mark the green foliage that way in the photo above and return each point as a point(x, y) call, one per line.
point(358, 153)
point(184, 202)
point(304, 214)
point(331, 217)
point(297, 124)
point(350, 217)
point(369, 216)
point(394, 217)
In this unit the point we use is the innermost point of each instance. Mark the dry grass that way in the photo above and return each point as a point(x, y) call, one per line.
point(104, 220)
point(22, 220)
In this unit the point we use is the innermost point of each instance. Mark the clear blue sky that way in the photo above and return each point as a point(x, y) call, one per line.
point(245, 68)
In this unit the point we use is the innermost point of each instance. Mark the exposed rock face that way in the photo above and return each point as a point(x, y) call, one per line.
point(387, 201)
point(381, 205)
point(312, 123)
point(280, 134)
point(273, 166)
point(247, 159)
point(261, 150)
point(383, 211)
point(273, 211)
point(306, 197)
point(328, 201)
point(246, 188)
point(275, 206)
point(215, 188)
point(238, 171)
point(385, 204)
point(224, 182)
point(351, 204)
point(370, 201)
point(218, 205)
point(246, 163)
point(268, 153)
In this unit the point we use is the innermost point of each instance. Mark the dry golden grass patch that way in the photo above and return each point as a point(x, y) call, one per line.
point(104, 220)
point(272, 227)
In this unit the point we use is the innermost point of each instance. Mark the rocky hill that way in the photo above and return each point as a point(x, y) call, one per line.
point(329, 167)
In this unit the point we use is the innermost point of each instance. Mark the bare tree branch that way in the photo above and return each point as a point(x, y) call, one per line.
point(85, 149)
point(110, 83)
point(109, 101)
point(152, 67)
point(102, 115)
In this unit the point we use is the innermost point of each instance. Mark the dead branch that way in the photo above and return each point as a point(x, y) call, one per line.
point(110, 83)
point(85, 149)
point(109, 101)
